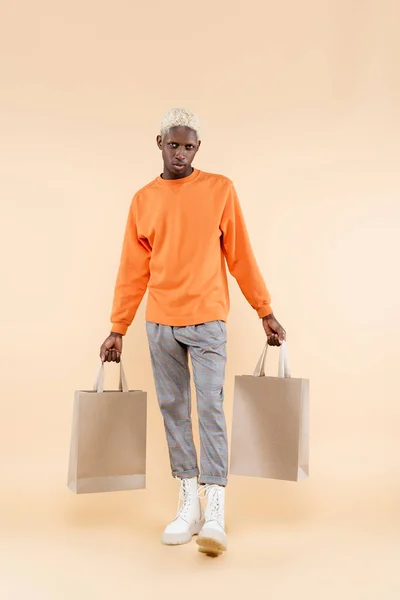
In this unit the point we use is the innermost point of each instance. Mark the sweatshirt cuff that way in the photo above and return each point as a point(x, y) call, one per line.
point(119, 328)
point(265, 311)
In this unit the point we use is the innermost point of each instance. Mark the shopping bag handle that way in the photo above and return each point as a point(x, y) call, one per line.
point(283, 368)
point(99, 382)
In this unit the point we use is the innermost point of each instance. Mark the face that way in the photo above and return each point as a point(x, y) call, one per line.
point(179, 147)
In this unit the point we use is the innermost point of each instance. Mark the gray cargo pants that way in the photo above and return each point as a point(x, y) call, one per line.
point(169, 350)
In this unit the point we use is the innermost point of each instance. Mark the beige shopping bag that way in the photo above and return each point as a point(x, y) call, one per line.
point(108, 439)
point(270, 428)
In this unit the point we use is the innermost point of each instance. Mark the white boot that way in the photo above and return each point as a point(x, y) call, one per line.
point(189, 518)
point(212, 537)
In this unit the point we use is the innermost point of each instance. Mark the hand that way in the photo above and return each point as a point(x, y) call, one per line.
point(111, 348)
point(274, 330)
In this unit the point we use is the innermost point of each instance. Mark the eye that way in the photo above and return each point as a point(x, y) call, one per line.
point(173, 144)
point(189, 147)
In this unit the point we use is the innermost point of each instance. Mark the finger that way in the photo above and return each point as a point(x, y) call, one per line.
point(110, 342)
point(118, 357)
point(109, 356)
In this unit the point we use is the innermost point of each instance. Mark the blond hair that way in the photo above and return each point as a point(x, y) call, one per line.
point(179, 117)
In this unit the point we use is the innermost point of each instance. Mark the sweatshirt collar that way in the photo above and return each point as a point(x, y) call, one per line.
point(177, 182)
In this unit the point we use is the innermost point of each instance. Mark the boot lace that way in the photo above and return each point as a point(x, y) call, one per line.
point(184, 501)
point(215, 506)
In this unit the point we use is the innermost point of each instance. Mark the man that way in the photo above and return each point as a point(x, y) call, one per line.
point(181, 228)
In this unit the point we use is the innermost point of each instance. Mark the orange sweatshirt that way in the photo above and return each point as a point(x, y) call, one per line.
point(178, 235)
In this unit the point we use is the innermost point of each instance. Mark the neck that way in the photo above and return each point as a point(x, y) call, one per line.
point(166, 174)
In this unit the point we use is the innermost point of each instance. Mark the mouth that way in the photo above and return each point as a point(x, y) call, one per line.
point(179, 166)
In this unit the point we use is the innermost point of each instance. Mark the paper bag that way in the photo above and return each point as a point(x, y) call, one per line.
point(270, 428)
point(108, 439)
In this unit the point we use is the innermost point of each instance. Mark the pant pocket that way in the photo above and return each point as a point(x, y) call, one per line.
point(151, 328)
point(222, 327)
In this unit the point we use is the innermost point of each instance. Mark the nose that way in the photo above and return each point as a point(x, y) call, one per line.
point(179, 155)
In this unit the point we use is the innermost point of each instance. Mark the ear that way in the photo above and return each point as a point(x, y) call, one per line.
point(159, 142)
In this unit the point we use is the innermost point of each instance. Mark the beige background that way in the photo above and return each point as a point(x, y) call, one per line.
point(300, 106)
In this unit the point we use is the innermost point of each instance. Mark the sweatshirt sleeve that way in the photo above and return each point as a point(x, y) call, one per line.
point(133, 275)
point(240, 258)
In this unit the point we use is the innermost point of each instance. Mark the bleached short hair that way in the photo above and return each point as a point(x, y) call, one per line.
point(179, 117)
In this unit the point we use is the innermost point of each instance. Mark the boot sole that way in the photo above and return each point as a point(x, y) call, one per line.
point(178, 539)
point(210, 544)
